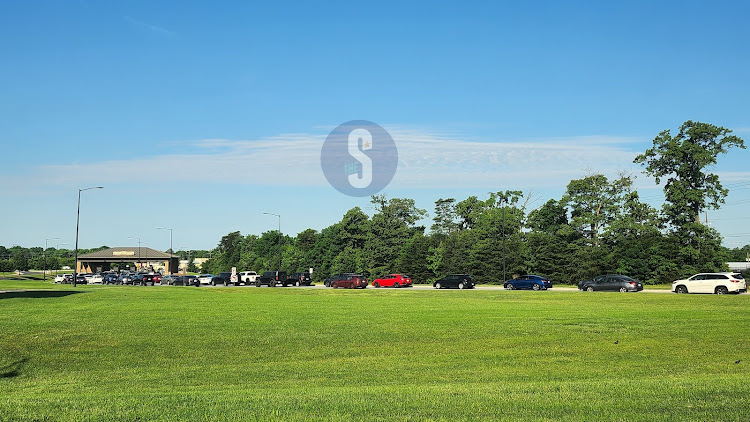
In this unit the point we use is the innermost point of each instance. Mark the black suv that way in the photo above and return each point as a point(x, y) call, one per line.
point(143, 279)
point(301, 279)
point(222, 278)
point(461, 281)
point(272, 278)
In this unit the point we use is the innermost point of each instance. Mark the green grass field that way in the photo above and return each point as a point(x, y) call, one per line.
point(178, 353)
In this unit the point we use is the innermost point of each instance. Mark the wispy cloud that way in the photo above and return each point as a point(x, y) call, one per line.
point(426, 160)
point(149, 26)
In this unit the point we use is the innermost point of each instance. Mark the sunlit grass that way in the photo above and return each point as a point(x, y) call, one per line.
point(179, 353)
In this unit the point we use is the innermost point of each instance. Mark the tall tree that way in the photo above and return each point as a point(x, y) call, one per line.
point(594, 202)
point(683, 160)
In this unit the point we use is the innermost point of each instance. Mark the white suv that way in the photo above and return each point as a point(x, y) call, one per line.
point(719, 283)
point(248, 277)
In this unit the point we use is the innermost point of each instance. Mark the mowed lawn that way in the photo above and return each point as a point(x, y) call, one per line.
point(201, 354)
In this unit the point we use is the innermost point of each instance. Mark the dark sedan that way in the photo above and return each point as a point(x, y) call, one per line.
point(611, 282)
point(187, 280)
point(454, 281)
point(530, 281)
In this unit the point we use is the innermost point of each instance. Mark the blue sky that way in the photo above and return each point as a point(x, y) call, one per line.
point(201, 116)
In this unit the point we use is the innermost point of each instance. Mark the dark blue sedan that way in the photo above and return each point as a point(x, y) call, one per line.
point(530, 282)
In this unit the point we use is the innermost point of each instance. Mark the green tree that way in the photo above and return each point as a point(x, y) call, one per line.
point(683, 161)
point(393, 224)
point(594, 202)
point(19, 262)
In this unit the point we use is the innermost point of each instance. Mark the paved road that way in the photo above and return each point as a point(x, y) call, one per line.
point(429, 287)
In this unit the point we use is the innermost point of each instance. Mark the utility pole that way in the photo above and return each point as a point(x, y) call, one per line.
point(277, 215)
point(78, 221)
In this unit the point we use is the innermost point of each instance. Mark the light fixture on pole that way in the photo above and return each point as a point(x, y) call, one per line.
point(171, 251)
point(78, 221)
point(277, 215)
point(44, 271)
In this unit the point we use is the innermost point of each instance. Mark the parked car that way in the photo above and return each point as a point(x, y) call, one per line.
point(110, 279)
point(126, 278)
point(327, 281)
point(157, 278)
point(96, 279)
point(82, 279)
point(224, 278)
point(392, 280)
point(348, 280)
point(187, 280)
point(205, 278)
point(60, 278)
point(300, 279)
point(529, 281)
point(612, 282)
point(460, 281)
point(143, 279)
point(272, 278)
point(719, 283)
point(169, 280)
point(248, 277)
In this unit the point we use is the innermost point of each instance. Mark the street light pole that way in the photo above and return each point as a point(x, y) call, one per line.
point(78, 221)
point(277, 215)
point(44, 271)
point(171, 251)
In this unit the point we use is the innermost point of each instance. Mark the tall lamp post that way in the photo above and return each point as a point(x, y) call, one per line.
point(78, 221)
point(277, 215)
point(44, 271)
point(139, 251)
point(171, 251)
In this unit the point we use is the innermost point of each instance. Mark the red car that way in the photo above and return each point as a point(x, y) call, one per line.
point(392, 280)
point(348, 280)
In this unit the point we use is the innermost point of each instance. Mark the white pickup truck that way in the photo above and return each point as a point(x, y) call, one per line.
point(248, 277)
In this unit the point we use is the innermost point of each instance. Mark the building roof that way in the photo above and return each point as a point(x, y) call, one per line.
point(127, 253)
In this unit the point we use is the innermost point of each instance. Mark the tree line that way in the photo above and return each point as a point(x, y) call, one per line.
point(599, 225)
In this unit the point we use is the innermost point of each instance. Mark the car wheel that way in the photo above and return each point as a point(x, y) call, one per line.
point(623, 290)
point(536, 287)
point(297, 283)
point(509, 286)
point(396, 285)
point(376, 285)
point(438, 286)
point(257, 284)
point(461, 286)
point(589, 289)
point(721, 290)
point(681, 289)
point(334, 285)
point(213, 283)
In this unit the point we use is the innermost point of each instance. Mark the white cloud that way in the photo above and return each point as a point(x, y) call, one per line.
point(426, 160)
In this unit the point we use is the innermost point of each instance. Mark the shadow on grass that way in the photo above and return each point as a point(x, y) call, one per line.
point(37, 294)
point(14, 369)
